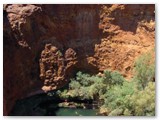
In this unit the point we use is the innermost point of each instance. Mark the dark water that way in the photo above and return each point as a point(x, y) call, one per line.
point(43, 105)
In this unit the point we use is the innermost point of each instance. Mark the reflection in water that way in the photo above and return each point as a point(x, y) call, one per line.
point(44, 105)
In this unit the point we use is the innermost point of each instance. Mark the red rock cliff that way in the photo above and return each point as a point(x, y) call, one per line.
point(44, 45)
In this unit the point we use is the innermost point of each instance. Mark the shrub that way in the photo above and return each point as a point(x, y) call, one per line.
point(63, 94)
point(117, 97)
point(89, 87)
point(132, 98)
point(74, 84)
point(84, 79)
point(143, 102)
point(84, 86)
point(114, 94)
point(144, 70)
point(113, 78)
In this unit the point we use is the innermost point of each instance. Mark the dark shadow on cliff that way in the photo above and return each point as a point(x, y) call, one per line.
point(9, 81)
point(129, 17)
point(66, 26)
point(19, 71)
point(83, 66)
point(76, 27)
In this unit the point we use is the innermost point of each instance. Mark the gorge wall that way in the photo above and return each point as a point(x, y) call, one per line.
point(45, 45)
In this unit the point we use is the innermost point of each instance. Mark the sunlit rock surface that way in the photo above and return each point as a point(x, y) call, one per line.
point(45, 45)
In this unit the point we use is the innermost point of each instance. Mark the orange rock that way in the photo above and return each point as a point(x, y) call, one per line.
point(90, 37)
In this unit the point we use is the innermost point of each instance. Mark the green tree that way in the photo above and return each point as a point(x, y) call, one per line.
point(114, 94)
point(144, 70)
point(143, 102)
point(113, 78)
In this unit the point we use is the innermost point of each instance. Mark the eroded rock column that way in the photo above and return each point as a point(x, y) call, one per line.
point(53, 65)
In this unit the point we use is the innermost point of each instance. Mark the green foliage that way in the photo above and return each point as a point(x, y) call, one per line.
point(63, 94)
point(84, 79)
point(117, 97)
point(144, 70)
point(93, 87)
point(86, 86)
point(113, 78)
point(74, 84)
point(143, 102)
point(114, 94)
point(127, 112)
point(136, 97)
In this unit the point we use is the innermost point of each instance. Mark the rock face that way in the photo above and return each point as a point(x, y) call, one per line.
point(53, 66)
point(128, 31)
point(45, 45)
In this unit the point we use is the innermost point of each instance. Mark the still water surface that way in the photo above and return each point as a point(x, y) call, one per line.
point(75, 112)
